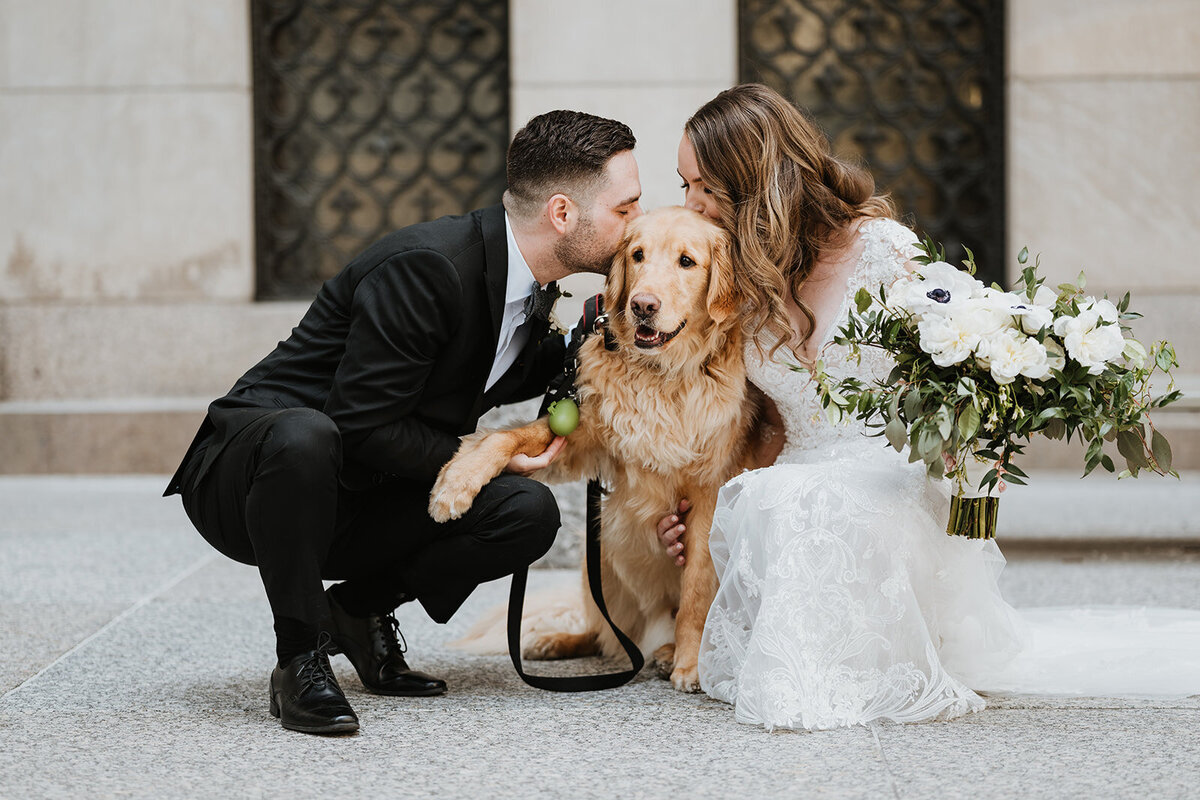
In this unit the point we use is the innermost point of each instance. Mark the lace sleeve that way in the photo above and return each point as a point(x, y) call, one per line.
point(887, 247)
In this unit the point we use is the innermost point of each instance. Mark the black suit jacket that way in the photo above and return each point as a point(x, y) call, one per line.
point(396, 350)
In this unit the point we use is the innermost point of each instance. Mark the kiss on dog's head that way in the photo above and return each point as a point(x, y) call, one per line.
point(664, 415)
point(671, 286)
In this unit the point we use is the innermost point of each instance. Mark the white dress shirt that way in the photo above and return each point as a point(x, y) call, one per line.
point(514, 334)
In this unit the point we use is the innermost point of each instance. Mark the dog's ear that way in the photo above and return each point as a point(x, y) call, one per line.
point(614, 285)
point(722, 300)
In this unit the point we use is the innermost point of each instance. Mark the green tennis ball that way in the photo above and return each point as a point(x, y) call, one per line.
point(564, 416)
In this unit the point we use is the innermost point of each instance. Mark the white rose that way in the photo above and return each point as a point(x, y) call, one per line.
point(1033, 318)
point(1009, 354)
point(1044, 297)
point(947, 339)
point(1095, 348)
point(992, 311)
point(1066, 326)
point(1103, 307)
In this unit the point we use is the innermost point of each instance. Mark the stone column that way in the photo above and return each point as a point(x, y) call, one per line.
point(126, 244)
point(1104, 109)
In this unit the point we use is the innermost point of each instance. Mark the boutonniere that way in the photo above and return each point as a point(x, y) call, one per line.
point(542, 303)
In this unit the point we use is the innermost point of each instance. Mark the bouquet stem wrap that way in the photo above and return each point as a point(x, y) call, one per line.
point(972, 510)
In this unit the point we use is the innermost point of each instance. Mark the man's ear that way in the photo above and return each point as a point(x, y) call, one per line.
point(722, 299)
point(559, 210)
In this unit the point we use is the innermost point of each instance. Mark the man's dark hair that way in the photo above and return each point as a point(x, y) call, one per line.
point(561, 151)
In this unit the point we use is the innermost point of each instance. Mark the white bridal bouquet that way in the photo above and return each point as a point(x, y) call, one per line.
point(980, 370)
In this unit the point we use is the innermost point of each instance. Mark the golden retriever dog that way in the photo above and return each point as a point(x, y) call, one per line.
point(665, 415)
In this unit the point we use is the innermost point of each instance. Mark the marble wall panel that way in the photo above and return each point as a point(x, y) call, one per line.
point(67, 352)
point(628, 43)
point(124, 43)
point(126, 195)
point(1088, 38)
point(1103, 176)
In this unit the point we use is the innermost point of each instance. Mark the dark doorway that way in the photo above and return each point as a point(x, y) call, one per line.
point(370, 115)
point(914, 88)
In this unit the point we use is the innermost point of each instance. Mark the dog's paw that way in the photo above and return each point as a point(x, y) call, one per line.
point(686, 679)
point(550, 646)
point(663, 661)
point(449, 500)
point(443, 509)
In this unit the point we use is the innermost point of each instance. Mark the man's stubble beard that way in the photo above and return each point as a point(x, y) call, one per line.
point(580, 252)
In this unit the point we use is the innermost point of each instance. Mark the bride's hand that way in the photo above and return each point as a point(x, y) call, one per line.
point(671, 530)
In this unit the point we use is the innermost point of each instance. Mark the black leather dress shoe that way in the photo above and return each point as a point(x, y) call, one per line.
point(306, 697)
point(371, 643)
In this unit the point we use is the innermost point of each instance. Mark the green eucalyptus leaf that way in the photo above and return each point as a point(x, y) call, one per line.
point(1161, 450)
point(862, 300)
point(912, 405)
point(968, 423)
point(1015, 470)
point(895, 433)
point(1130, 446)
point(936, 468)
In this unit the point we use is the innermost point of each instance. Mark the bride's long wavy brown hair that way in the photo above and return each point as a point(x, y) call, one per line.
point(783, 194)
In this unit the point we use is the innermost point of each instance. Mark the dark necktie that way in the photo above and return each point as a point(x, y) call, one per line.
point(539, 304)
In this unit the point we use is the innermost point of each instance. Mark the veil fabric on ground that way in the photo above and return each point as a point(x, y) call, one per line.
point(842, 601)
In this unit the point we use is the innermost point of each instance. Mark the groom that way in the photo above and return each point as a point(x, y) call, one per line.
point(318, 462)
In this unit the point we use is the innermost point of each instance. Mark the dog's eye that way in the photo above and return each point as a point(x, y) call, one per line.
point(685, 262)
point(637, 255)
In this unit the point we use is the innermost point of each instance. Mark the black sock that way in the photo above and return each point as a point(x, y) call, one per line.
point(361, 599)
point(293, 637)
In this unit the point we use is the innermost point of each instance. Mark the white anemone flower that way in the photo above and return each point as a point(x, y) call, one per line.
point(936, 288)
point(1028, 316)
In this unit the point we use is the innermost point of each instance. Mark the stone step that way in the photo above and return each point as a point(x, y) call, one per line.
point(1057, 507)
point(149, 434)
point(92, 437)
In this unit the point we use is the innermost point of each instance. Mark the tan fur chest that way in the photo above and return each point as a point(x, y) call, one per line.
point(682, 425)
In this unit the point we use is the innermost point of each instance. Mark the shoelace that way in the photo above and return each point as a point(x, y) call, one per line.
point(397, 638)
point(315, 673)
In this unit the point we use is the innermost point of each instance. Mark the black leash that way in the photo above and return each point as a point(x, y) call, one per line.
point(564, 386)
point(516, 603)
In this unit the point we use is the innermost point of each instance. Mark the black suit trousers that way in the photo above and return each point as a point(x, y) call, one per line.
point(272, 499)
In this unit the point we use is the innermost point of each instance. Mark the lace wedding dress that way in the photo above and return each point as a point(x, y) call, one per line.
point(842, 601)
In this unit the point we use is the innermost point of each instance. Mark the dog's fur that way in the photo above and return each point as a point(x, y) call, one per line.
point(659, 421)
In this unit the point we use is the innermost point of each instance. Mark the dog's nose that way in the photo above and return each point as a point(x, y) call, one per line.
point(644, 305)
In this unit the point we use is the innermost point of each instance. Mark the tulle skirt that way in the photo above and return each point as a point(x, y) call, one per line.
point(842, 601)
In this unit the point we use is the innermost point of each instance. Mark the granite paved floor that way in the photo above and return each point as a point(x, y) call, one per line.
point(133, 663)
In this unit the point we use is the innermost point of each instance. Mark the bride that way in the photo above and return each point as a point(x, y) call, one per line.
point(842, 601)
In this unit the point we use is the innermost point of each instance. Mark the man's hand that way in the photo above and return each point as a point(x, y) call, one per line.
point(671, 530)
point(521, 464)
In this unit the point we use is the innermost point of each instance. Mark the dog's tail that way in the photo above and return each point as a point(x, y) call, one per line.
point(556, 610)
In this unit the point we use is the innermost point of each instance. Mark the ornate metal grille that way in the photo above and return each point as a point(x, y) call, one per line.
point(913, 87)
point(370, 115)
